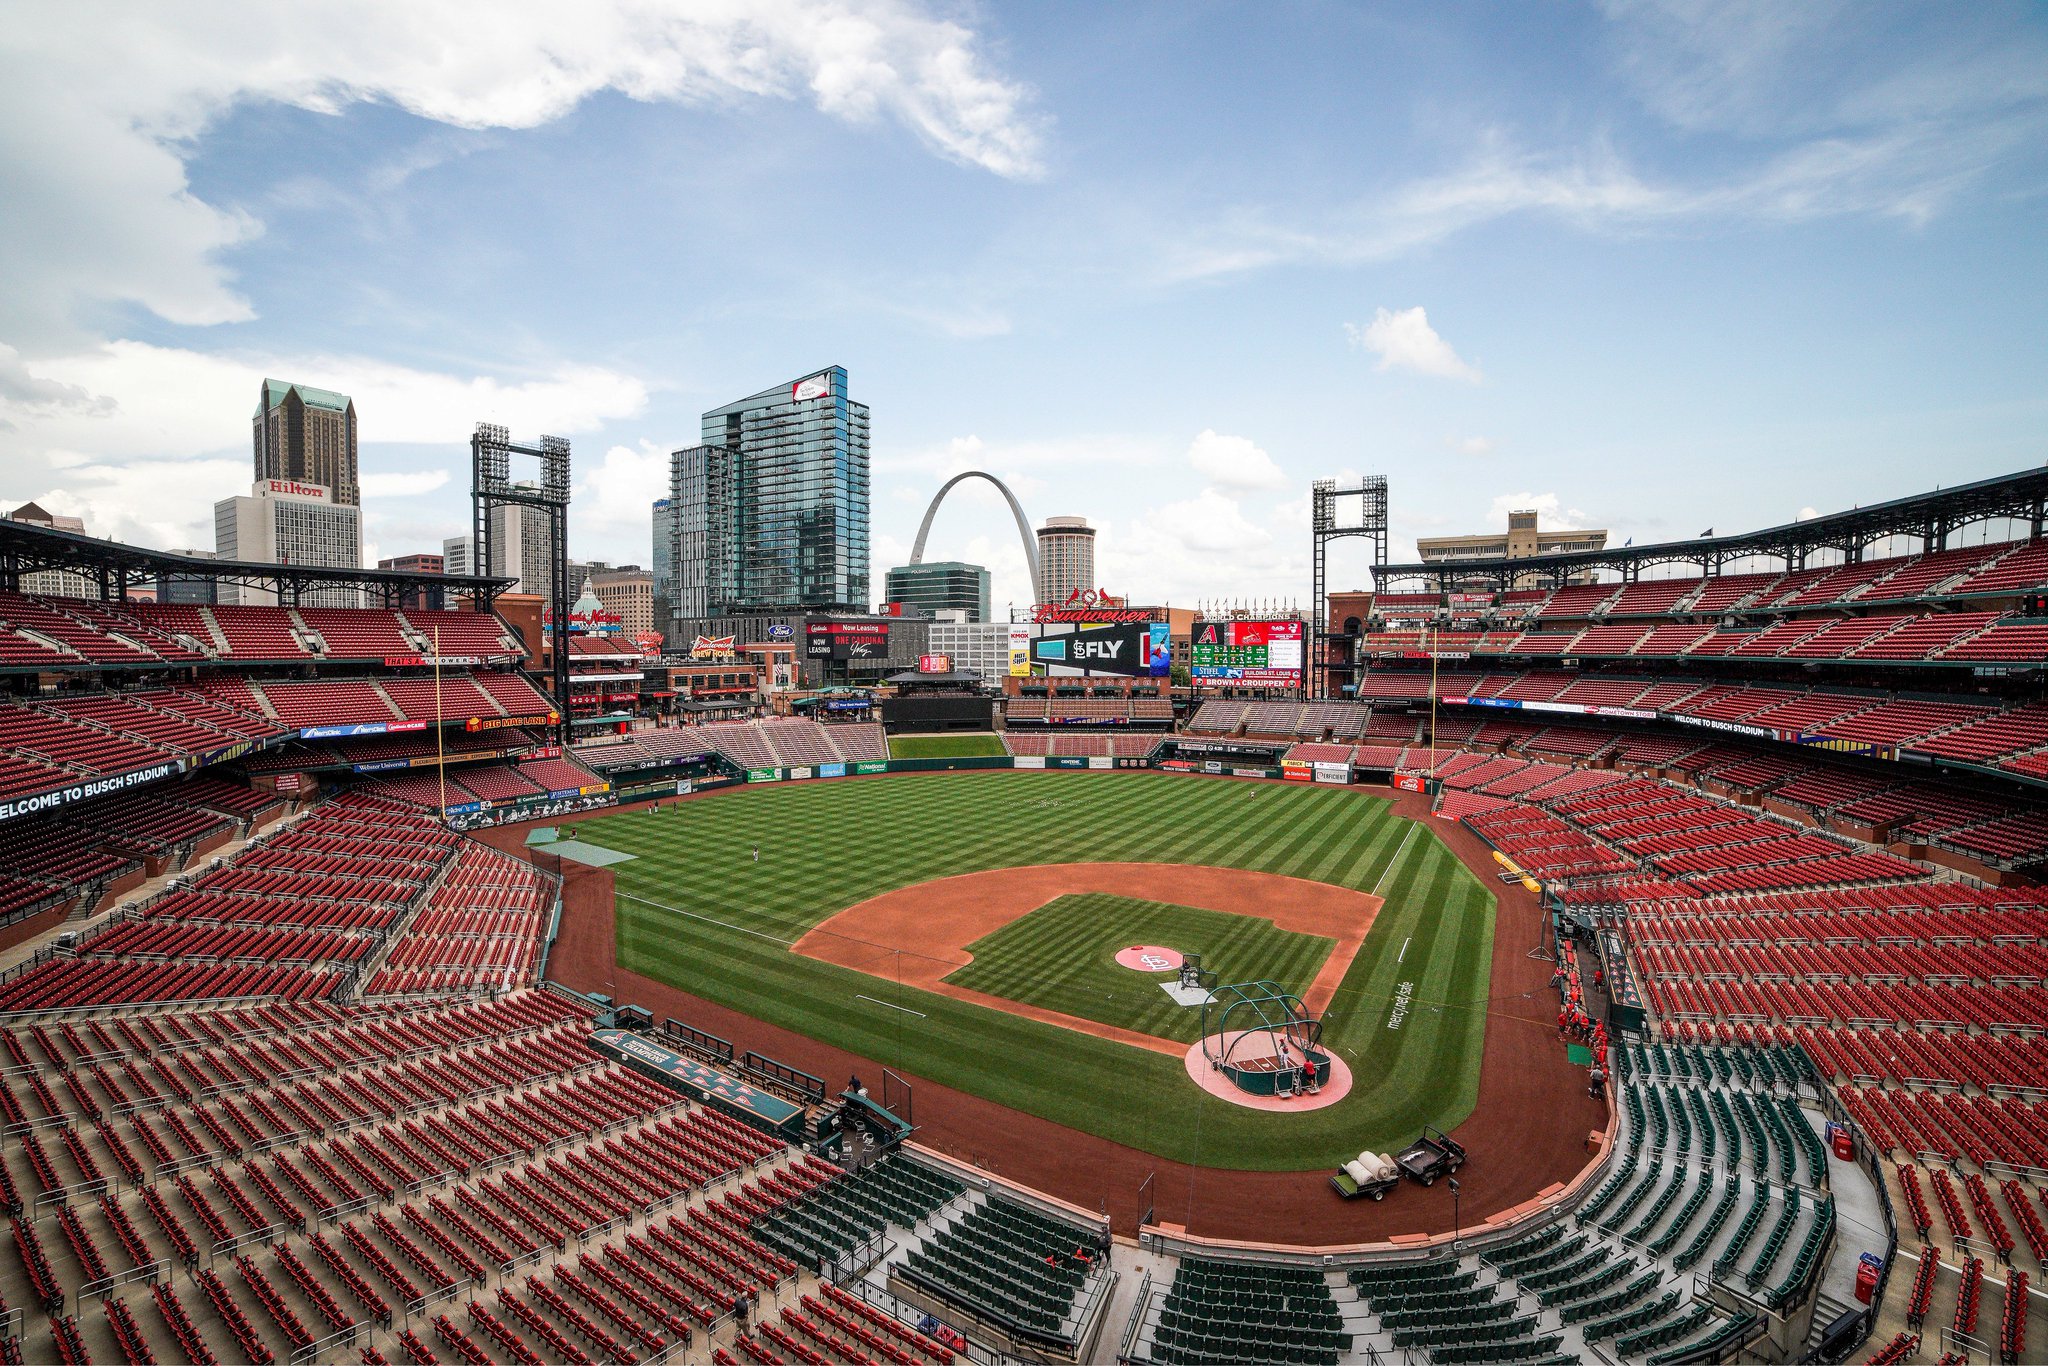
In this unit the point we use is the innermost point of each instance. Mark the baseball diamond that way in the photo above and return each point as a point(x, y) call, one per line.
point(695, 911)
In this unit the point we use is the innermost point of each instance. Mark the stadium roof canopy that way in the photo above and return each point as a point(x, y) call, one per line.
point(912, 678)
point(1929, 516)
point(26, 549)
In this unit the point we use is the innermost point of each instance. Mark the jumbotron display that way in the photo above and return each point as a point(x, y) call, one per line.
point(1246, 654)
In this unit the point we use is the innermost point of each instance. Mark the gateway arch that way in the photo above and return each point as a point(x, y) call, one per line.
point(1023, 525)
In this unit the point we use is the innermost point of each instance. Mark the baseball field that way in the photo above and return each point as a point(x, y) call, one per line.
point(1034, 1013)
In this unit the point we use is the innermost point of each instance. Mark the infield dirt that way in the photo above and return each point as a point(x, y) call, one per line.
point(919, 934)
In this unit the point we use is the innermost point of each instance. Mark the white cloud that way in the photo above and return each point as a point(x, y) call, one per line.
point(101, 103)
point(1206, 549)
point(1233, 462)
point(1807, 514)
point(28, 394)
point(1406, 341)
point(1551, 514)
point(1470, 445)
point(396, 484)
point(1008, 460)
point(150, 467)
point(1793, 129)
point(612, 517)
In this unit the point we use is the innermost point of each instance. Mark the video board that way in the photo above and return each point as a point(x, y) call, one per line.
point(1246, 654)
point(843, 640)
point(1090, 650)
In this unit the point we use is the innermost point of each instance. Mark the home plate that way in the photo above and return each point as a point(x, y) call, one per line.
point(1187, 996)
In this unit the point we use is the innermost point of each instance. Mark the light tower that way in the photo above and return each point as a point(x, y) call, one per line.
point(1363, 512)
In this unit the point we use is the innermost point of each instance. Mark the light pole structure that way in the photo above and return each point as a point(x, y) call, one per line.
point(1457, 1224)
point(1358, 509)
point(491, 487)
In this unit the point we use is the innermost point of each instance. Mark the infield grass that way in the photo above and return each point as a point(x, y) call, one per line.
point(980, 746)
point(1063, 956)
point(694, 910)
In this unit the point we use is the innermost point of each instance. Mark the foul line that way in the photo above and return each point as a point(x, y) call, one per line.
point(1412, 828)
point(1404, 950)
point(722, 924)
point(905, 1009)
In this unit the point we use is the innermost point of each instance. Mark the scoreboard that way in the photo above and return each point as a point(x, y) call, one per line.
point(1247, 654)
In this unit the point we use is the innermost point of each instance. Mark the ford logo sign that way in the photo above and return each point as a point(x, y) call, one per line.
point(780, 630)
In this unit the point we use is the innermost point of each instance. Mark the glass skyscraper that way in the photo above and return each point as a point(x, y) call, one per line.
point(771, 511)
point(937, 585)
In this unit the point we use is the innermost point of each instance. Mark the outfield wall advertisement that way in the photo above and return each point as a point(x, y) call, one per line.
point(1247, 654)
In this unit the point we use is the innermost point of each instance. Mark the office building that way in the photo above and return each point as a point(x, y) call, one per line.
point(771, 510)
point(56, 583)
point(1522, 539)
point(627, 592)
point(287, 521)
point(522, 549)
point(425, 596)
point(1066, 558)
point(456, 556)
point(666, 532)
point(308, 436)
point(938, 586)
point(979, 645)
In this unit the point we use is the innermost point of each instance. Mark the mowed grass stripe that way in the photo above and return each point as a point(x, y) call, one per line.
point(1062, 956)
point(827, 845)
point(945, 746)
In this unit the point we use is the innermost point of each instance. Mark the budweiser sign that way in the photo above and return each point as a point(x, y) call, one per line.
point(1113, 616)
point(712, 647)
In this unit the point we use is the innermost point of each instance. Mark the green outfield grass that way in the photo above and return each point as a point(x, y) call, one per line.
point(695, 910)
point(945, 746)
point(1063, 956)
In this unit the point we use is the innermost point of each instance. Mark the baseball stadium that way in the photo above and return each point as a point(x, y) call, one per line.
point(1631, 954)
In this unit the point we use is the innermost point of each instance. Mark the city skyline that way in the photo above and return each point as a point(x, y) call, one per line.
point(1565, 261)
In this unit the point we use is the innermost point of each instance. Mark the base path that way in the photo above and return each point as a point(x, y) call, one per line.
point(941, 918)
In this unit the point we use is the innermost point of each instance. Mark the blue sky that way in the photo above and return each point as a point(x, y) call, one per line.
point(1652, 267)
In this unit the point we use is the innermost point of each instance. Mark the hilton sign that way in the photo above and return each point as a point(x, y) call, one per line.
point(293, 488)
